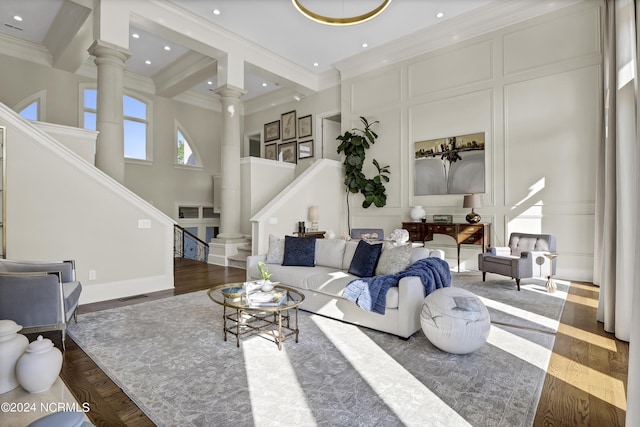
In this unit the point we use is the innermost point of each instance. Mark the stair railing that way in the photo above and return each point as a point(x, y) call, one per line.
point(187, 245)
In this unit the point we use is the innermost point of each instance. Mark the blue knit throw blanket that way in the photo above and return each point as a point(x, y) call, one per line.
point(370, 293)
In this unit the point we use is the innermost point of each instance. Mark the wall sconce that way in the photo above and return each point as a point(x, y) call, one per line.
point(314, 216)
point(472, 201)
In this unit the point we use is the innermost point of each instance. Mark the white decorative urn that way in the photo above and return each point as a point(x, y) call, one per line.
point(417, 213)
point(39, 366)
point(12, 346)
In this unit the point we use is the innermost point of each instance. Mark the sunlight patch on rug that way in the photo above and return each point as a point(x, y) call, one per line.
point(522, 314)
point(407, 397)
point(522, 348)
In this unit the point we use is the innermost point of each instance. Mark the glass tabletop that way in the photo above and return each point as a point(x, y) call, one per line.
point(233, 295)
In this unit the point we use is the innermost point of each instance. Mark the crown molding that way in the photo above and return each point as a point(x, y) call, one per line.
point(496, 15)
point(201, 100)
point(25, 50)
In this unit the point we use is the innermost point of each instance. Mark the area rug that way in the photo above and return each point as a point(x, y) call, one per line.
point(169, 356)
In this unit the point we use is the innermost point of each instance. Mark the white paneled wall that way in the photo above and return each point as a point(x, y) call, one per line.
point(534, 89)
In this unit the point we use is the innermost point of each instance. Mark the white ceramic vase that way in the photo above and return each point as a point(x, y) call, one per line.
point(12, 346)
point(417, 213)
point(38, 368)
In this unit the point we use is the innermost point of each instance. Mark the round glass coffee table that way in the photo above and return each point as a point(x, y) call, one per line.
point(268, 316)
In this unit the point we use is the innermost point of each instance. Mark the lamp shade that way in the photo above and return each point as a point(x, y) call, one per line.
point(472, 201)
point(314, 213)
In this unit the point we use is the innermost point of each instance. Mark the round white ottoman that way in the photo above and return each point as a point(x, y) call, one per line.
point(455, 320)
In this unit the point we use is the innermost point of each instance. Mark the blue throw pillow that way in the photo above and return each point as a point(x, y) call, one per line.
point(300, 251)
point(365, 259)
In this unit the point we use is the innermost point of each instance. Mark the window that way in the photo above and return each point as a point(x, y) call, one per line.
point(186, 153)
point(32, 107)
point(135, 128)
point(135, 123)
point(30, 112)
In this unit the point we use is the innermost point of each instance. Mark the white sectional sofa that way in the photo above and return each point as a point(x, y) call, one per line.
point(324, 283)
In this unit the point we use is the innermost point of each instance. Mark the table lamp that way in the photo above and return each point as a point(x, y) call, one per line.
point(314, 216)
point(472, 201)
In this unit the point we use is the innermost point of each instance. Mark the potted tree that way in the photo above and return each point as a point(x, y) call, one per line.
point(354, 144)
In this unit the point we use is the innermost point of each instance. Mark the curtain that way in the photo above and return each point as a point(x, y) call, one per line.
point(617, 238)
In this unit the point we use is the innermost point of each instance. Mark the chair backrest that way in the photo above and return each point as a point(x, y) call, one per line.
point(522, 242)
point(66, 268)
point(367, 233)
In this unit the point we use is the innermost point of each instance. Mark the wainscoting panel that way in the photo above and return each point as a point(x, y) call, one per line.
point(376, 90)
point(470, 64)
point(552, 41)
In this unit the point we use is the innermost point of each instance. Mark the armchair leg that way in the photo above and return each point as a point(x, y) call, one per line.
point(518, 283)
point(484, 275)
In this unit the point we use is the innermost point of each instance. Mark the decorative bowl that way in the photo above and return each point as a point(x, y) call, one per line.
point(233, 292)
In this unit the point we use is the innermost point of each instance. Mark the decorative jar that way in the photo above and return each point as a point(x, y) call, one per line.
point(12, 346)
point(417, 213)
point(39, 366)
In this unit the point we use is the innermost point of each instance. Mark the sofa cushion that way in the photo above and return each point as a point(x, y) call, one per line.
point(333, 282)
point(329, 252)
point(365, 259)
point(393, 259)
point(275, 254)
point(299, 251)
point(349, 250)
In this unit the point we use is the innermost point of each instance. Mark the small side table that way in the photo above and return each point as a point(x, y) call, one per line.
point(551, 284)
point(316, 234)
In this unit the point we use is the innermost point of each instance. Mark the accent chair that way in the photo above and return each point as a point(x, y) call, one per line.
point(523, 258)
point(39, 296)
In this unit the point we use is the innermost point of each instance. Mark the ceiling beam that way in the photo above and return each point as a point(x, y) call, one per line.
point(184, 73)
point(69, 36)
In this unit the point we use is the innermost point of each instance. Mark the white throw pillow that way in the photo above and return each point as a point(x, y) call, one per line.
point(275, 254)
point(419, 253)
point(349, 252)
point(329, 252)
point(393, 259)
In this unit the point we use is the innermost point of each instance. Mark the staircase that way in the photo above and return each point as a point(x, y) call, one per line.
point(239, 260)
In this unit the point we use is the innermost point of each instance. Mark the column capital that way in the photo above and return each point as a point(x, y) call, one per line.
point(230, 91)
point(102, 49)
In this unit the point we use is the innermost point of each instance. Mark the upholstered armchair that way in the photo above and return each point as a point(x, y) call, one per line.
point(39, 296)
point(523, 258)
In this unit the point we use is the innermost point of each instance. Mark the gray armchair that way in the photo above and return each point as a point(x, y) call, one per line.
point(39, 296)
point(523, 258)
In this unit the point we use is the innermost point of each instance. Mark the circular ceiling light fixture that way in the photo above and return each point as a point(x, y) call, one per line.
point(349, 20)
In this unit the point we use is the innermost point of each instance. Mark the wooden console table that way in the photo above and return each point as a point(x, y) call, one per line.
point(463, 234)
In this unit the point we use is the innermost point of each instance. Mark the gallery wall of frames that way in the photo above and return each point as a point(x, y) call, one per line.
point(289, 139)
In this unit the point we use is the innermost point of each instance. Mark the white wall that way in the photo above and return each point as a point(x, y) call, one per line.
point(534, 89)
point(159, 182)
point(59, 206)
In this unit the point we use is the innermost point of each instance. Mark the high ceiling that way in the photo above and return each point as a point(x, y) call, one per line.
point(274, 26)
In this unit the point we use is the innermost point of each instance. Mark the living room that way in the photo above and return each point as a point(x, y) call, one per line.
point(539, 107)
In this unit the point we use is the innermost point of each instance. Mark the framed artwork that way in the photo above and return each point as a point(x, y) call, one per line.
point(305, 149)
point(288, 125)
point(287, 152)
point(272, 131)
point(270, 151)
point(304, 126)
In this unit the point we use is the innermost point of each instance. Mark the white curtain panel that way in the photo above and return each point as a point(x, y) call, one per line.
point(617, 245)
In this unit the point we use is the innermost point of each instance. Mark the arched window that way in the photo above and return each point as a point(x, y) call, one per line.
point(32, 107)
point(186, 153)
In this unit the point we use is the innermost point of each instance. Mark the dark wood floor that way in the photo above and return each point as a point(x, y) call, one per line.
point(585, 384)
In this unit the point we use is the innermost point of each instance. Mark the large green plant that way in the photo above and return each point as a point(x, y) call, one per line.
point(354, 144)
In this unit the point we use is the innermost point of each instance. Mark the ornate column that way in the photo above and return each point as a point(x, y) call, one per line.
point(110, 61)
point(230, 163)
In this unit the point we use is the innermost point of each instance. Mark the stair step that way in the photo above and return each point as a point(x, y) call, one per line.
point(237, 263)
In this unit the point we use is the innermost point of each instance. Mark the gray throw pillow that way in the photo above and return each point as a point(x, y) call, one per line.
point(275, 254)
point(393, 259)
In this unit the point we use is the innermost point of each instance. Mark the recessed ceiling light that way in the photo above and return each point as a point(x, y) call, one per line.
point(209, 83)
point(264, 85)
point(147, 62)
point(135, 35)
point(439, 15)
point(315, 64)
point(17, 18)
point(365, 45)
point(216, 11)
point(167, 48)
